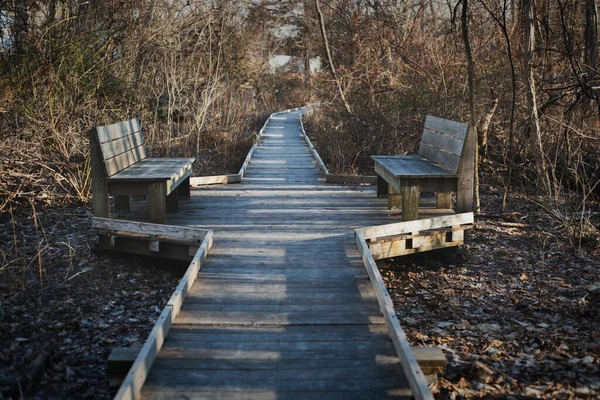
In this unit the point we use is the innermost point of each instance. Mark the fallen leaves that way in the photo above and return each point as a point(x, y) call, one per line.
point(518, 317)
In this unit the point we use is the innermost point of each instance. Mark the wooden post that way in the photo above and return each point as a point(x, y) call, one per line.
point(394, 197)
point(443, 200)
point(157, 192)
point(172, 201)
point(184, 188)
point(410, 199)
point(122, 204)
point(101, 203)
point(466, 174)
point(382, 187)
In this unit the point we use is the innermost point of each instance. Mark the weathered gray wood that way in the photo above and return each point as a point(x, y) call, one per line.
point(446, 126)
point(215, 180)
point(120, 164)
point(115, 131)
point(132, 385)
point(444, 142)
point(394, 197)
point(445, 152)
point(410, 199)
point(262, 394)
point(351, 179)
point(411, 368)
point(157, 193)
point(101, 201)
point(415, 226)
point(149, 229)
point(466, 175)
point(282, 289)
point(444, 200)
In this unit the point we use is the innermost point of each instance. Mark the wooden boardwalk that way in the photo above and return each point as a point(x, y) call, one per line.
point(282, 307)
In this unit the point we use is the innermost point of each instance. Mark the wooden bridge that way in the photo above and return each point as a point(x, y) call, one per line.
point(283, 306)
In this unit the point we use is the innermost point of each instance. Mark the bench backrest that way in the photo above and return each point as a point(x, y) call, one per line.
point(443, 141)
point(121, 145)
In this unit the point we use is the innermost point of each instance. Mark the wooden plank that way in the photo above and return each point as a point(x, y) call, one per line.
point(394, 197)
point(413, 373)
point(101, 200)
point(115, 131)
point(130, 143)
point(410, 199)
point(418, 225)
point(283, 319)
point(434, 241)
point(182, 290)
point(201, 382)
point(215, 180)
point(120, 360)
point(284, 378)
point(149, 229)
point(441, 157)
point(132, 385)
point(444, 142)
point(444, 200)
point(466, 175)
point(351, 179)
point(431, 359)
point(366, 364)
point(446, 126)
point(266, 394)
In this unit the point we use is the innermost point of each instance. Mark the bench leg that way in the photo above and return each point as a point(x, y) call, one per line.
point(122, 204)
point(410, 199)
point(101, 201)
point(173, 201)
point(157, 192)
point(444, 200)
point(382, 187)
point(394, 197)
point(184, 188)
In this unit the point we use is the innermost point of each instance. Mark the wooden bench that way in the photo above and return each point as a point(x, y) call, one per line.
point(121, 168)
point(445, 164)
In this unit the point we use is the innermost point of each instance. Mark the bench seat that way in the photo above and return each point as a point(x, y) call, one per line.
point(413, 166)
point(172, 170)
point(445, 164)
point(121, 168)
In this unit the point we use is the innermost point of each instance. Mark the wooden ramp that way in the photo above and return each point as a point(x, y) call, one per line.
point(283, 307)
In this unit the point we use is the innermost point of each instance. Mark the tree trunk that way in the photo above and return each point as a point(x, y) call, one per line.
point(21, 26)
point(591, 36)
point(534, 122)
point(472, 119)
point(329, 58)
point(306, 42)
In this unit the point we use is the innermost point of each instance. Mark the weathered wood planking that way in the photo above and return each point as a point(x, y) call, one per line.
point(132, 385)
point(445, 164)
point(283, 306)
point(120, 168)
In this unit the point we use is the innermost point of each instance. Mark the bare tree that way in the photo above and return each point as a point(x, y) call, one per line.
point(534, 122)
point(330, 59)
point(470, 78)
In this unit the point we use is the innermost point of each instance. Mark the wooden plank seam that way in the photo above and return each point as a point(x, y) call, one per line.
point(134, 381)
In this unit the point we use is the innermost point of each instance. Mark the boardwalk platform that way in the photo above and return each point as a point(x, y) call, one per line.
point(282, 307)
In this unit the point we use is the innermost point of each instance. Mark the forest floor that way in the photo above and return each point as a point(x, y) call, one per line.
point(516, 313)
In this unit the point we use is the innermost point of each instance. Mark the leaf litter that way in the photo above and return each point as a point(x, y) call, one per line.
point(515, 311)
